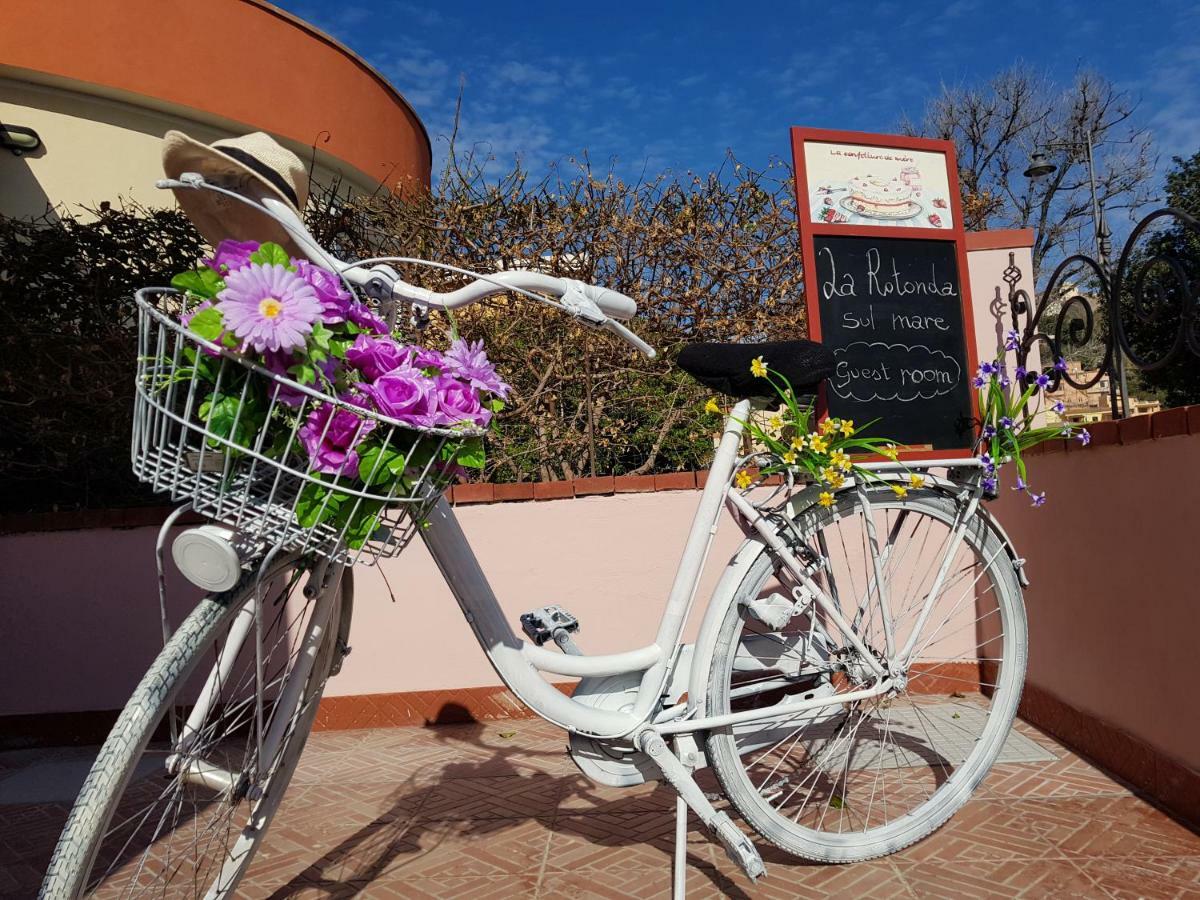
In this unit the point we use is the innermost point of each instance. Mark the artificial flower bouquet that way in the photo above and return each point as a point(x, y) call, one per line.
point(404, 414)
point(824, 453)
point(1008, 407)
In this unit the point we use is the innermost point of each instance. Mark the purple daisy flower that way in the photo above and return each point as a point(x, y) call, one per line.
point(469, 362)
point(1042, 380)
point(1038, 499)
point(268, 307)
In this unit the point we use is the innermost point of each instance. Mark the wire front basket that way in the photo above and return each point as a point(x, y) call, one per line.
point(283, 464)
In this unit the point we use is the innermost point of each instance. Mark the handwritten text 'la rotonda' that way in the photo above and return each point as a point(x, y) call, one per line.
point(887, 285)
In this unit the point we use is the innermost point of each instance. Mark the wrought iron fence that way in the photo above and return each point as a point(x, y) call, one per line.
point(1151, 290)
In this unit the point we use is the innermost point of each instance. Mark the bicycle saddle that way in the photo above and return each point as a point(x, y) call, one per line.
point(726, 367)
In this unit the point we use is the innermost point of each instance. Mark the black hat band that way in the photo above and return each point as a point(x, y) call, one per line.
point(252, 163)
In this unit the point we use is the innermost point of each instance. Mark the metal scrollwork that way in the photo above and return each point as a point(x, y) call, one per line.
point(1152, 289)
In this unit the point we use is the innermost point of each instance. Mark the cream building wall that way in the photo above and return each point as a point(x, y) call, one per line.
point(97, 148)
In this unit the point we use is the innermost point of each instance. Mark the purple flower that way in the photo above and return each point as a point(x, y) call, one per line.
point(469, 361)
point(989, 484)
point(1006, 422)
point(231, 255)
point(1060, 364)
point(988, 368)
point(1059, 407)
point(268, 307)
point(458, 403)
point(978, 381)
point(1004, 382)
point(330, 434)
point(988, 464)
point(404, 394)
point(1084, 437)
point(989, 431)
point(375, 356)
point(279, 362)
point(425, 357)
point(1020, 485)
point(362, 316)
point(1042, 380)
point(1011, 340)
point(1021, 373)
point(335, 299)
point(1038, 499)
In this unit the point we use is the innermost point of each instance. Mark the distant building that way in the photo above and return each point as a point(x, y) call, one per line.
point(1092, 404)
point(99, 83)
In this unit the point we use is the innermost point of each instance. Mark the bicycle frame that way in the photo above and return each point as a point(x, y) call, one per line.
point(519, 663)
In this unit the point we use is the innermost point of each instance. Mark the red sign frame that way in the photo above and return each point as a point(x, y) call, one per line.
point(955, 234)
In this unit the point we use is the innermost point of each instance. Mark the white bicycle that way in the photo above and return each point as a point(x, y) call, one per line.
point(857, 669)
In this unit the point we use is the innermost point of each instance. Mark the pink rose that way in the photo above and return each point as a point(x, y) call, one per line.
point(335, 299)
point(330, 434)
point(404, 394)
point(375, 356)
point(458, 403)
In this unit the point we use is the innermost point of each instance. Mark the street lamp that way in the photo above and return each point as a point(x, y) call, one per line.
point(1039, 167)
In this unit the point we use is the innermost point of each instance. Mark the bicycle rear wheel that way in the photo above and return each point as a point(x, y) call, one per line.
point(852, 780)
point(177, 808)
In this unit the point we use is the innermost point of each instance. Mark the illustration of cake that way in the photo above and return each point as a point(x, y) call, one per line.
point(887, 198)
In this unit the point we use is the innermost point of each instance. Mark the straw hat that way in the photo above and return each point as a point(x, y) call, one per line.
point(254, 165)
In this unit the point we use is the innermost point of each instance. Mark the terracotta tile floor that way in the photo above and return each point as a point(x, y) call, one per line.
point(498, 810)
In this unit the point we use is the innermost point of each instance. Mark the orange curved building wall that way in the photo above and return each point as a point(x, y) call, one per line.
point(240, 60)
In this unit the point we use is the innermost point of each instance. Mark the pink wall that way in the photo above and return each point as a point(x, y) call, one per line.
point(1114, 610)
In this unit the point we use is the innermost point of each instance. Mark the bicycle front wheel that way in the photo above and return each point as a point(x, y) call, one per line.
point(850, 780)
point(180, 795)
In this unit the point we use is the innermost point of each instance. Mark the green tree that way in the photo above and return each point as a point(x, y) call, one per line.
point(1159, 294)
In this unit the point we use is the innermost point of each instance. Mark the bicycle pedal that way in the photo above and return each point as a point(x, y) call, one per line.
point(739, 848)
point(540, 625)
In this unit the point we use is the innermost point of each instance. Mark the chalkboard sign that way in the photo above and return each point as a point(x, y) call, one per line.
point(891, 310)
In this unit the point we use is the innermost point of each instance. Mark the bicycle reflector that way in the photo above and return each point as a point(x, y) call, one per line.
point(207, 558)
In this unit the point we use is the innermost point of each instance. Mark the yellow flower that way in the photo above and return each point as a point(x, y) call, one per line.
point(840, 460)
point(758, 368)
point(798, 442)
point(788, 457)
point(818, 443)
point(825, 499)
point(743, 480)
point(829, 426)
point(889, 451)
point(916, 481)
point(711, 406)
point(776, 422)
point(836, 480)
point(900, 491)
point(847, 427)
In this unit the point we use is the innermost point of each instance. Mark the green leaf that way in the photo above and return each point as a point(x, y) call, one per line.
point(304, 372)
point(359, 518)
point(378, 466)
point(470, 453)
point(320, 336)
point(269, 255)
point(317, 504)
point(495, 404)
point(339, 346)
point(203, 282)
point(208, 323)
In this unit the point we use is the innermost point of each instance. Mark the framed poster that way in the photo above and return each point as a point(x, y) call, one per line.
point(886, 288)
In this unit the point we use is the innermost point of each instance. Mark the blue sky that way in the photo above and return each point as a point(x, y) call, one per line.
point(672, 86)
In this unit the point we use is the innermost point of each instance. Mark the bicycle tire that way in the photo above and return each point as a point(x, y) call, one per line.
point(74, 855)
point(825, 847)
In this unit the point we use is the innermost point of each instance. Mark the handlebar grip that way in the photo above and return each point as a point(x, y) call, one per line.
point(629, 337)
point(612, 303)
